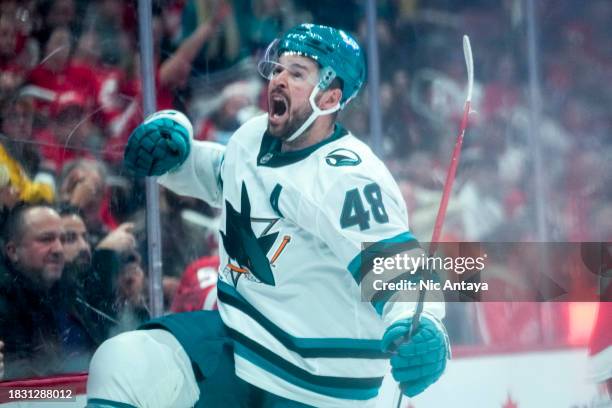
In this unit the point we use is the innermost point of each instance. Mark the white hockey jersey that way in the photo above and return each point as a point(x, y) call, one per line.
point(291, 235)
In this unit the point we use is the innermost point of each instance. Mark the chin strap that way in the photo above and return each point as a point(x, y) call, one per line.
point(316, 112)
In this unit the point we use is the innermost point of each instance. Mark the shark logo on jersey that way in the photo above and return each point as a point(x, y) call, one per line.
point(342, 157)
point(246, 249)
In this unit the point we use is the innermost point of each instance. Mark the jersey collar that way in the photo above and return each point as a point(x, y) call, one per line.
point(270, 154)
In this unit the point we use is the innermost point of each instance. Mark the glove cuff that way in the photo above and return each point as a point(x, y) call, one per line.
point(442, 328)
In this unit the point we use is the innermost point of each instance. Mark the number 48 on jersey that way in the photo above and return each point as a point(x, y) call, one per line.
point(354, 211)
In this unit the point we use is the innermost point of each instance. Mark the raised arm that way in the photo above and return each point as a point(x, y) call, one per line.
point(163, 146)
point(200, 175)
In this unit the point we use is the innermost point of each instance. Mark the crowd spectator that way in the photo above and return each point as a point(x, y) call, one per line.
point(77, 249)
point(265, 20)
point(41, 328)
point(17, 118)
point(108, 280)
point(12, 59)
point(501, 95)
point(171, 75)
point(83, 186)
point(19, 50)
point(70, 134)
point(60, 13)
point(111, 96)
point(224, 45)
point(190, 226)
point(57, 73)
point(22, 177)
point(237, 104)
point(107, 21)
point(59, 299)
point(198, 286)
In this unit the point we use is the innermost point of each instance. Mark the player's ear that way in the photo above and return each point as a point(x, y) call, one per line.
point(330, 98)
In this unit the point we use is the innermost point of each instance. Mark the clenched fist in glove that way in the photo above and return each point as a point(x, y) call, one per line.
point(160, 144)
point(419, 361)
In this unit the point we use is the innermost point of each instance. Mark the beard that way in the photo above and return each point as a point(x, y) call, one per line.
point(279, 103)
point(80, 265)
point(293, 123)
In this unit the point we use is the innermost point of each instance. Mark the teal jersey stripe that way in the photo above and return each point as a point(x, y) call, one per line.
point(387, 247)
point(305, 347)
point(380, 299)
point(337, 387)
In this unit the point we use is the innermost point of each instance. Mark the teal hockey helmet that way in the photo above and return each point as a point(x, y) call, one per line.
point(336, 52)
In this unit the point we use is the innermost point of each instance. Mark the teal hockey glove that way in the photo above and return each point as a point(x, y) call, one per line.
point(420, 361)
point(160, 144)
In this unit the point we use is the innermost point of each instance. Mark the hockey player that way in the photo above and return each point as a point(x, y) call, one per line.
point(299, 195)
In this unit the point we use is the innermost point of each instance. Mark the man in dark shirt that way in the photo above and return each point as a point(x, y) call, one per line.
point(42, 332)
point(100, 277)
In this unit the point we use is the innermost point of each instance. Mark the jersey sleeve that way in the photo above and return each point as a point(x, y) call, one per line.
point(200, 175)
point(361, 218)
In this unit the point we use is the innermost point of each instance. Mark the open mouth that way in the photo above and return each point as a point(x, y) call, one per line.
point(278, 107)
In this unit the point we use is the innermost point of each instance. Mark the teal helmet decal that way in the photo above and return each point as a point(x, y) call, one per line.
point(336, 52)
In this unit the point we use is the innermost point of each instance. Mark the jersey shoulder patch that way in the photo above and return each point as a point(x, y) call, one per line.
point(342, 157)
point(348, 155)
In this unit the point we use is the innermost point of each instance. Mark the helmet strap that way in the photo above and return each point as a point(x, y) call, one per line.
point(316, 112)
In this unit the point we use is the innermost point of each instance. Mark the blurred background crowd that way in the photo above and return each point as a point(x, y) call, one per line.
point(74, 256)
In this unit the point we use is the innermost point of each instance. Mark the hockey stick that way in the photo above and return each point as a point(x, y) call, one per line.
point(448, 186)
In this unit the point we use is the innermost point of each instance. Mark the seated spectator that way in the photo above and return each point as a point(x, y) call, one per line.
point(70, 135)
point(15, 58)
point(77, 250)
point(107, 283)
point(42, 331)
point(17, 118)
point(57, 73)
point(59, 13)
point(111, 100)
point(106, 19)
point(19, 157)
